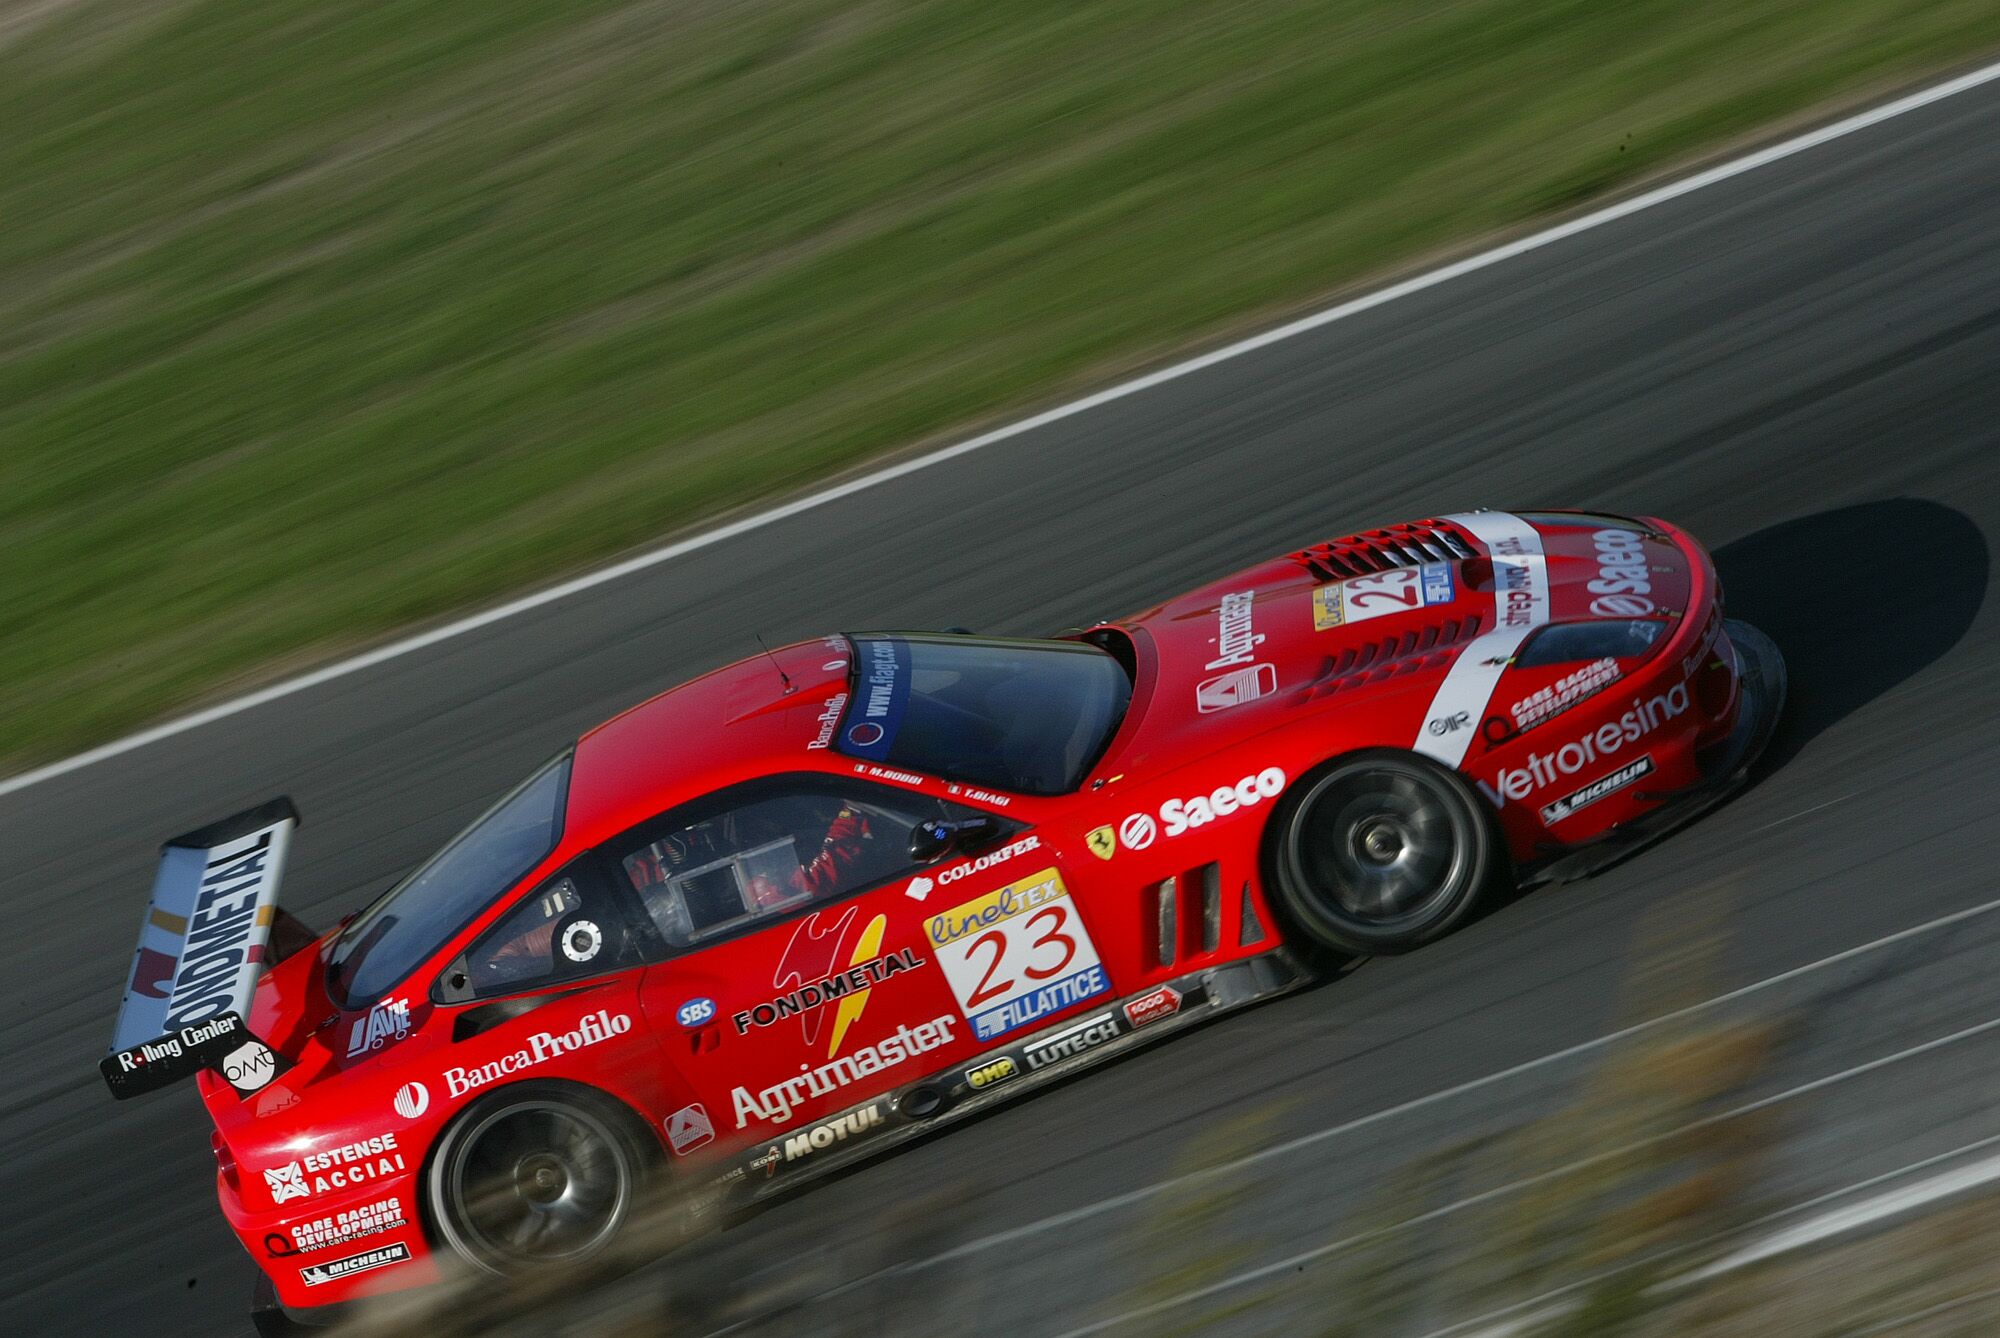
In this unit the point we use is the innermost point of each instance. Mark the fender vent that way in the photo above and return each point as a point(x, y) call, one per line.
point(1193, 930)
point(1249, 929)
point(1379, 550)
point(1166, 901)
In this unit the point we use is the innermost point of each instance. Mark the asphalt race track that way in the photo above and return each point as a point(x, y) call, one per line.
point(1802, 365)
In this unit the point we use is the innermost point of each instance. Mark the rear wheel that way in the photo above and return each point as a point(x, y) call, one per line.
point(538, 1175)
point(1381, 853)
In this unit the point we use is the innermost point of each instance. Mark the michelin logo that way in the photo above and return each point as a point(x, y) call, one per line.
point(315, 1275)
point(1597, 789)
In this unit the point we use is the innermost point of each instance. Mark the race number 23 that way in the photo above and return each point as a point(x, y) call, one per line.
point(1383, 592)
point(1016, 955)
point(1397, 590)
point(992, 985)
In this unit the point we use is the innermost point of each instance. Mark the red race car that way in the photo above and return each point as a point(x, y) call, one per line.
point(825, 899)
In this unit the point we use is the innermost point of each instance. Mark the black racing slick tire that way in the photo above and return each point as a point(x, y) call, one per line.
point(1381, 852)
point(538, 1175)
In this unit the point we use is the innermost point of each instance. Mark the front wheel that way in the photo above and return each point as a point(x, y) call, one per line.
point(534, 1176)
point(1381, 853)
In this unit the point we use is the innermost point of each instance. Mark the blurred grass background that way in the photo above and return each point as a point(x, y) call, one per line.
point(316, 321)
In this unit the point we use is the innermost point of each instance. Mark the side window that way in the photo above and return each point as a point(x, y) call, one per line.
point(570, 927)
point(765, 849)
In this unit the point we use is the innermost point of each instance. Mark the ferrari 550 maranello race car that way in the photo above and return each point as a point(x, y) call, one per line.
point(821, 901)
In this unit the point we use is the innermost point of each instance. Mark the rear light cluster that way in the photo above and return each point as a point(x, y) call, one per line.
point(1409, 545)
point(1190, 919)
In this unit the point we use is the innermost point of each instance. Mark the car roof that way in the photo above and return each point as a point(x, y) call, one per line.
point(763, 714)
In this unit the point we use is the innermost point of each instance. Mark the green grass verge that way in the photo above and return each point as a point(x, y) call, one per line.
point(316, 320)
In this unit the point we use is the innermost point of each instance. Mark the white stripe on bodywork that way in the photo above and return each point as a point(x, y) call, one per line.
point(1520, 605)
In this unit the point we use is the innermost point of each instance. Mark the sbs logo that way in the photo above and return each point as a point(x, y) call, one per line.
point(695, 1012)
point(412, 1100)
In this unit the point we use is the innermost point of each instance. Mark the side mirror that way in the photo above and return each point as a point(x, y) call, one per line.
point(932, 841)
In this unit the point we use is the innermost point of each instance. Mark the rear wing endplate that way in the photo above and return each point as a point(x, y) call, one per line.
point(202, 946)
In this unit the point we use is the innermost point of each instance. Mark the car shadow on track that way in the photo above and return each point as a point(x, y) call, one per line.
point(1857, 599)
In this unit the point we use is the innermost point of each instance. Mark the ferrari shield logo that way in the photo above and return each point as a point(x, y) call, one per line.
point(1103, 843)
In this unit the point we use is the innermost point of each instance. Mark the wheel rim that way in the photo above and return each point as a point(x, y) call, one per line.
point(1382, 844)
point(538, 1182)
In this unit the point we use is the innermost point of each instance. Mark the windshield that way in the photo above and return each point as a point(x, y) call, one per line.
point(1028, 716)
point(413, 919)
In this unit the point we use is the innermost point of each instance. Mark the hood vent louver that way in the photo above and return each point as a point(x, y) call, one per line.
point(1375, 660)
point(1379, 550)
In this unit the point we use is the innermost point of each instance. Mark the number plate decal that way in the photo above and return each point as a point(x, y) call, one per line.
point(1016, 955)
point(1397, 590)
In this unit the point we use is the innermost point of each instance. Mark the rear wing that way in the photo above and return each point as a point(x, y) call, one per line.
point(202, 946)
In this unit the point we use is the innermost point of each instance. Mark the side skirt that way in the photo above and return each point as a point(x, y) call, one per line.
point(803, 1154)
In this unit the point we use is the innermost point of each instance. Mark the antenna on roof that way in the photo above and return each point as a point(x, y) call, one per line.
point(783, 677)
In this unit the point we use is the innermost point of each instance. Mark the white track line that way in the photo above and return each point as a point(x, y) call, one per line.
point(1609, 214)
point(1895, 1202)
point(1507, 1328)
point(1521, 1315)
point(1846, 1219)
point(1909, 1319)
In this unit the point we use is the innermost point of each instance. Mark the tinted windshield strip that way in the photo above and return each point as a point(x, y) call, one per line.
point(881, 698)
